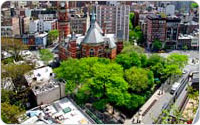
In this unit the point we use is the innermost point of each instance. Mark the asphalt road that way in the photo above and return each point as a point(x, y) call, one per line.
point(156, 109)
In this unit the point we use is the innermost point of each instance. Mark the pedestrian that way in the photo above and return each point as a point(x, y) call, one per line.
point(140, 118)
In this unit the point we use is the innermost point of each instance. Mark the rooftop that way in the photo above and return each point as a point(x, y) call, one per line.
point(155, 17)
point(39, 75)
point(63, 111)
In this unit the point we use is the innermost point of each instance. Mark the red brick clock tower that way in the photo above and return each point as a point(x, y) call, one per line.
point(63, 21)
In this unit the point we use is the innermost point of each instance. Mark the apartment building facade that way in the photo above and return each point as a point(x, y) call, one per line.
point(114, 20)
point(10, 26)
point(79, 23)
point(165, 29)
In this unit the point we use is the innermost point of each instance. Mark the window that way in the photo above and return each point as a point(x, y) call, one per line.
point(91, 52)
point(100, 53)
point(84, 51)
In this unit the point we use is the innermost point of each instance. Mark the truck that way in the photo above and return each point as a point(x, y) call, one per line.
point(175, 86)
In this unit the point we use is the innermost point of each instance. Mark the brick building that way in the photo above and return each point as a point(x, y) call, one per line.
point(94, 44)
point(24, 25)
point(156, 29)
point(63, 21)
point(114, 19)
point(10, 26)
point(79, 23)
point(165, 29)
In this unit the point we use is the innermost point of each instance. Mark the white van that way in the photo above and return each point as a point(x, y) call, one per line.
point(175, 86)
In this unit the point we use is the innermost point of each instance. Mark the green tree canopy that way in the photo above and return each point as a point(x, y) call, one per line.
point(71, 72)
point(194, 5)
point(13, 46)
point(134, 101)
point(106, 79)
point(154, 59)
point(131, 20)
point(75, 71)
point(185, 47)
point(171, 71)
point(10, 113)
point(136, 34)
point(139, 79)
point(129, 60)
point(16, 73)
point(129, 48)
point(52, 36)
point(177, 59)
point(46, 55)
point(157, 45)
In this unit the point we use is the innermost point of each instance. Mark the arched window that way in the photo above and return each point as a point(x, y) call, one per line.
point(91, 52)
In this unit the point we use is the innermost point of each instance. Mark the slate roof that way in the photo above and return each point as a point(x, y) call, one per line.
point(94, 33)
point(93, 36)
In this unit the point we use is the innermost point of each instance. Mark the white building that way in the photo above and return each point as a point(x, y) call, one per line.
point(46, 16)
point(50, 25)
point(44, 87)
point(170, 10)
point(41, 25)
point(33, 26)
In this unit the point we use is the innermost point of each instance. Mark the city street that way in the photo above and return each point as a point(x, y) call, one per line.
point(162, 100)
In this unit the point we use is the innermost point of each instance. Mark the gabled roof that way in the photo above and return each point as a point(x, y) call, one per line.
point(93, 36)
point(94, 33)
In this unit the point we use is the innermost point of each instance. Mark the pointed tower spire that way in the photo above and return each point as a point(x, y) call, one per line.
point(93, 19)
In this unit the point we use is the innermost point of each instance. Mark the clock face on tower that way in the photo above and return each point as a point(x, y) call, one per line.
point(62, 4)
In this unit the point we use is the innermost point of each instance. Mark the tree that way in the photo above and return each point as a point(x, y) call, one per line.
point(177, 59)
point(6, 96)
point(16, 73)
point(46, 55)
point(163, 15)
point(131, 20)
point(192, 93)
point(172, 116)
point(128, 60)
point(52, 36)
point(157, 45)
point(20, 93)
point(185, 47)
point(105, 86)
point(154, 59)
point(131, 36)
point(143, 59)
point(76, 72)
point(136, 35)
point(129, 48)
point(170, 71)
point(139, 79)
point(134, 101)
point(71, 72)
point(157, 70)
point(194, 5)
point(10, 113)
point(13, 46)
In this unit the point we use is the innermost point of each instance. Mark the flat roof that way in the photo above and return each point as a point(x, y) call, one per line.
point(63, 111)
point(41, 74)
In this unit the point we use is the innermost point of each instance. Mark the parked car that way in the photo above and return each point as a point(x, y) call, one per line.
point(175, 86)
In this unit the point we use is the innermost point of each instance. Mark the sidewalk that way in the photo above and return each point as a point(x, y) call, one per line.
point(152, 108)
